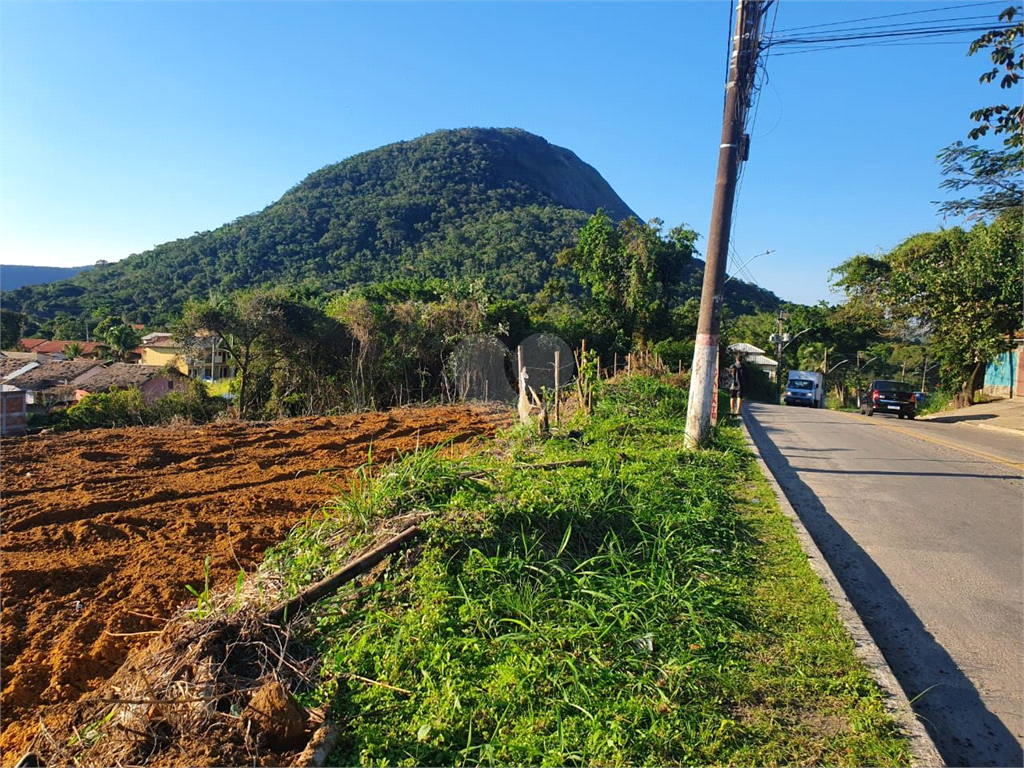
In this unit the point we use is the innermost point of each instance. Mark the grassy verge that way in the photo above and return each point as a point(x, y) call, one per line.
point(650, 607)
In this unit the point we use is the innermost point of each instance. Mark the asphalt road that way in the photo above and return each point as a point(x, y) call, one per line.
point(923, 524)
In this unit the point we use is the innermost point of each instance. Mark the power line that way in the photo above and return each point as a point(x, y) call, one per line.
point(913, 24)
point(892, 34)
point(866, 45)
point(893, 15)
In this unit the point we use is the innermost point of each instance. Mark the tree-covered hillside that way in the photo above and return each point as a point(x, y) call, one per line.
point(496, 204)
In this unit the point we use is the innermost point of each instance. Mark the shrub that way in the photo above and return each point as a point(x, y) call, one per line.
point(116, 408)
point(194, 405)
point(127, 408)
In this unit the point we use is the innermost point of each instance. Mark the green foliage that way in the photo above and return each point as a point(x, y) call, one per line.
point(11, 325)
point(492, 207)
point(116, 408)
point(1008, 60)
point(195, 405)
point(73, 351)
point(631, 611)
point(496, 204)
point(127, 408)
point(995, 175)
point(121, 339)
point(629, 269)
point(963, 287)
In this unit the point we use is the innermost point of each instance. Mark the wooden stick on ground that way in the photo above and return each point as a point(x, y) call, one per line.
point(329, 585)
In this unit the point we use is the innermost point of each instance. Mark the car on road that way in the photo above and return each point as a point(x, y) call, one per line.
point(892, 397)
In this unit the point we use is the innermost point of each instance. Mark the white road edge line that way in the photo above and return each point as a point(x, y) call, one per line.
point(896, 702)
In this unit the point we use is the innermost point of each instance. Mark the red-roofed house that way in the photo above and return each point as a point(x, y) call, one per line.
point(90, 349)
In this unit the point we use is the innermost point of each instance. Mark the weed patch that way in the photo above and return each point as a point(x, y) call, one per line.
point(646, 605)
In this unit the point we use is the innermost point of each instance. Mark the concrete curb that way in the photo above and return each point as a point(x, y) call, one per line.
point(1011, 430)
point(921, 745)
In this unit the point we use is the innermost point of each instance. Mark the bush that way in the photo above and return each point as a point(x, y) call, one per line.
point(127, 408)
point(116, 408)
point(195, 405)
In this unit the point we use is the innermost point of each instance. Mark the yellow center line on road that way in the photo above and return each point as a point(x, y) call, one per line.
point(956, 446)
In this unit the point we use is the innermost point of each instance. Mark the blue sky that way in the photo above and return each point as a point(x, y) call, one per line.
point(127, 125)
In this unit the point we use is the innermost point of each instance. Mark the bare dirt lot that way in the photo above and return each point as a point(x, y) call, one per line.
point(101, 531)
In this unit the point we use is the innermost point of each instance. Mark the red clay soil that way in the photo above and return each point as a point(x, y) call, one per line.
point(100, 531)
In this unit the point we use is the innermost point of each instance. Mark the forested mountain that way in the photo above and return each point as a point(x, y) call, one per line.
point(494, 204)
point(14, 276)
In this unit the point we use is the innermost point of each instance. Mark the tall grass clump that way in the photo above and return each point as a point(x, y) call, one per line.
point(609, 613)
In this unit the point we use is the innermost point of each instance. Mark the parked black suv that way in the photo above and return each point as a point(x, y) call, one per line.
point(894, 397)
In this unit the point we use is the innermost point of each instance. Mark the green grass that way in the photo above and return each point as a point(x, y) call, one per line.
point(650, 608)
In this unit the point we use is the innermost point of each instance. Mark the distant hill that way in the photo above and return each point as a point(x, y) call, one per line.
point(494, 204)
point(14, 276)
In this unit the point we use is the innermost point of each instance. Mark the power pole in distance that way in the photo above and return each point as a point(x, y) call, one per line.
point(732, 150)
point(781, 340)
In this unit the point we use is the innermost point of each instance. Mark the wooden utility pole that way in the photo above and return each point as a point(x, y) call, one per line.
point(732, 150)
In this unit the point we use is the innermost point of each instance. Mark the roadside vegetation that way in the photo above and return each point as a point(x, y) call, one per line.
point(600, 597)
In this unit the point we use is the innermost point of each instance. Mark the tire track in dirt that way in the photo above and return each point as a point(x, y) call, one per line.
point(101, 531)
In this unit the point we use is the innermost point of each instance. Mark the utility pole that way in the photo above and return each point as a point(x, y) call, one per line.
point(781, 340)
point(732, 150)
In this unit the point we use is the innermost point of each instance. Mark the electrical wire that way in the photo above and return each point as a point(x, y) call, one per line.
point(829, 42)
point(893, 15)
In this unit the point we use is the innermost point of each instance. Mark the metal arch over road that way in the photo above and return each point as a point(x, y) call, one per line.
point(923, 524)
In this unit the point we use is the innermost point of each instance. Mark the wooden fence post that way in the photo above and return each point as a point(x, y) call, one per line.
point(558, 380)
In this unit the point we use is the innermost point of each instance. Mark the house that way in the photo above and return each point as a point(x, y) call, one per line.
point(205, 359)
point(1004, 376)
point(51, 384)
point(755, 358)
point(153, 381)
point(13, 414)
point(90, 349)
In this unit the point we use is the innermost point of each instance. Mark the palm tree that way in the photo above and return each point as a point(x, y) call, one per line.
point(73, 350)
point(122, 339)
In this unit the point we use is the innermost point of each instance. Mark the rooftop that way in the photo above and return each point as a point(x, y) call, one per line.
point(52, 374)
point(9, 365)
point(57, 345)
point(746, 349)
point(123, 375)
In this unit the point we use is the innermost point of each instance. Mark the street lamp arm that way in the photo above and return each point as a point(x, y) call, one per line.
point(805, 330)
point(741, 266)
point(835, 366)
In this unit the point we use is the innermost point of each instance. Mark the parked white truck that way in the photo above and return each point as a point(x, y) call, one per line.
point(805, 388)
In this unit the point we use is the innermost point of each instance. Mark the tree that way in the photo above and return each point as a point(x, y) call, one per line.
point(961, 287)
point(628, 269)
point(122, 339)
point(242, 321)
point(994, 173)
point(1007, 57)
point(73, 351)
point(11, 325)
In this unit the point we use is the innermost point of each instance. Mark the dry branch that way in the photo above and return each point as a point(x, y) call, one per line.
point(329, 585)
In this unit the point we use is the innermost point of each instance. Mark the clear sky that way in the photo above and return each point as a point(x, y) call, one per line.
point(127, 125)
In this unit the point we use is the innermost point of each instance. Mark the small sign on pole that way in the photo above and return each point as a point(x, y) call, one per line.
point(714, 396)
